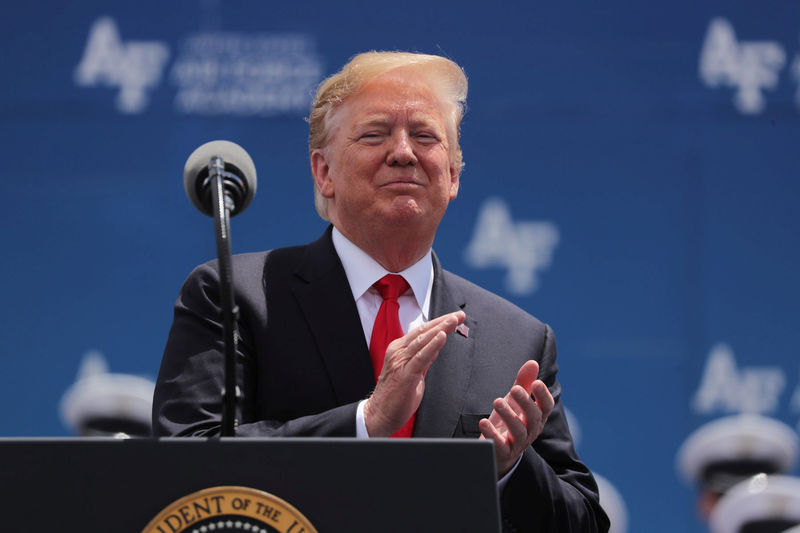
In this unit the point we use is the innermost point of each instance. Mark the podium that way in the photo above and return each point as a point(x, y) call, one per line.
point(339, 485)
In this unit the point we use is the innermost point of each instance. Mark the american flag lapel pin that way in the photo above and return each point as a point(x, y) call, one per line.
point(463, 329)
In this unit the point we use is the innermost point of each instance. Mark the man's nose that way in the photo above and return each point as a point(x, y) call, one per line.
point(401, 150)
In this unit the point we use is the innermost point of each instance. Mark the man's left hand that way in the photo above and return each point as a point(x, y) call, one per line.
point(518, 418)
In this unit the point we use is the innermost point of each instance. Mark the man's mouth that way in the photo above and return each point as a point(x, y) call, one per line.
point(402, 181)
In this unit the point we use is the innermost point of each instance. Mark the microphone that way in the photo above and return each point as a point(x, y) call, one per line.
point(220, 180)
point(233, 164)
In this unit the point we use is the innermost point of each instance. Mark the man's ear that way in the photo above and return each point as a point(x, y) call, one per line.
point(320, 170)
point(455, 176)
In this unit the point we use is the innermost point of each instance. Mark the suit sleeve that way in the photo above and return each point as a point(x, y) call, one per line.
point(188, 395)
point(551, 489)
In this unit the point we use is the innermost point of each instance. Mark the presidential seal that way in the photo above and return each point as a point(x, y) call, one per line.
point(230, 509)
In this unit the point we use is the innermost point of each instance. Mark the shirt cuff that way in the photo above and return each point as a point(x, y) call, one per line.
point(502, 482)
point(361, 425)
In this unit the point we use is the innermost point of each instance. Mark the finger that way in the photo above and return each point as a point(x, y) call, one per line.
point(494, 418)
point(516, 430)
point(530, 412)
point(543, 398)
point(448, 320)
point(420, 361)
point(419, 337)
point(423, 333)
point(511, 399)
point(490, 431)
point(527, 374)
point(522, 402)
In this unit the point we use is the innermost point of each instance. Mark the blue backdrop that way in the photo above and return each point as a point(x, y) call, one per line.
point(631, 178)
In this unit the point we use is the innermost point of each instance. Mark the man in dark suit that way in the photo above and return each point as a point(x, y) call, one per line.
point(386, 163)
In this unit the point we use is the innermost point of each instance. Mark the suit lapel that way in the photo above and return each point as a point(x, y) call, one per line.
point(447, 379)
point(324, 295)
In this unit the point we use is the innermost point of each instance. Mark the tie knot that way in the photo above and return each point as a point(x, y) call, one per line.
point(391, 286)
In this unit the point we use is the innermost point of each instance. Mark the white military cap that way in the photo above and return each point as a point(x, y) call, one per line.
point(761, 504)
point(728, 450)
point(102, 403)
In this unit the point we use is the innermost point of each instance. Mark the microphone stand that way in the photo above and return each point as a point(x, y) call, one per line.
point(223, 205)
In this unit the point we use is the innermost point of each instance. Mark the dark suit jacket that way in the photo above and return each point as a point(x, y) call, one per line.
point(303, 365)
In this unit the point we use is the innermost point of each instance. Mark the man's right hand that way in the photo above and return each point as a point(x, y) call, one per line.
point(401, 384)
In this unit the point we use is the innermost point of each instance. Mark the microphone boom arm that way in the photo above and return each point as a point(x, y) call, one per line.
point(222, 205)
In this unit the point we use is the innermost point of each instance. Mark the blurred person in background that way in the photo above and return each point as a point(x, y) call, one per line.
point(105, 404)
point(729, 450)
point(762, 504)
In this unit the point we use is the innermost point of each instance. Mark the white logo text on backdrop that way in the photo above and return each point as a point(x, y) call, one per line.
point(750, 67)
point(523, 247)
point(231, 73)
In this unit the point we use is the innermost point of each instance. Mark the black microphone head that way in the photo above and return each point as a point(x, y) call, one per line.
point(241, 185)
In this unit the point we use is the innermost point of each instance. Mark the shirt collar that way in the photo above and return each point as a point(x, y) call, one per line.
point(362, 271)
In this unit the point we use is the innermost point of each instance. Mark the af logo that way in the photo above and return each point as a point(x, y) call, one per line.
point(230, 509)
point(727, 388)
point(134, 66)
point(748, 66)
point(524, 247)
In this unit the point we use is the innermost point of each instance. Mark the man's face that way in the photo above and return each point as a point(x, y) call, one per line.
point(388, 164)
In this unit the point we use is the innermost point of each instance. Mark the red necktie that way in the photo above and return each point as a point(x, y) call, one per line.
point(386, 329)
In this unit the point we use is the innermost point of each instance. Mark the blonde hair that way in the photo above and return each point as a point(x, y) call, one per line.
point(446, 78)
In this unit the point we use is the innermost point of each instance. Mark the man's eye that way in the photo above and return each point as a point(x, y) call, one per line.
point(427, 138)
